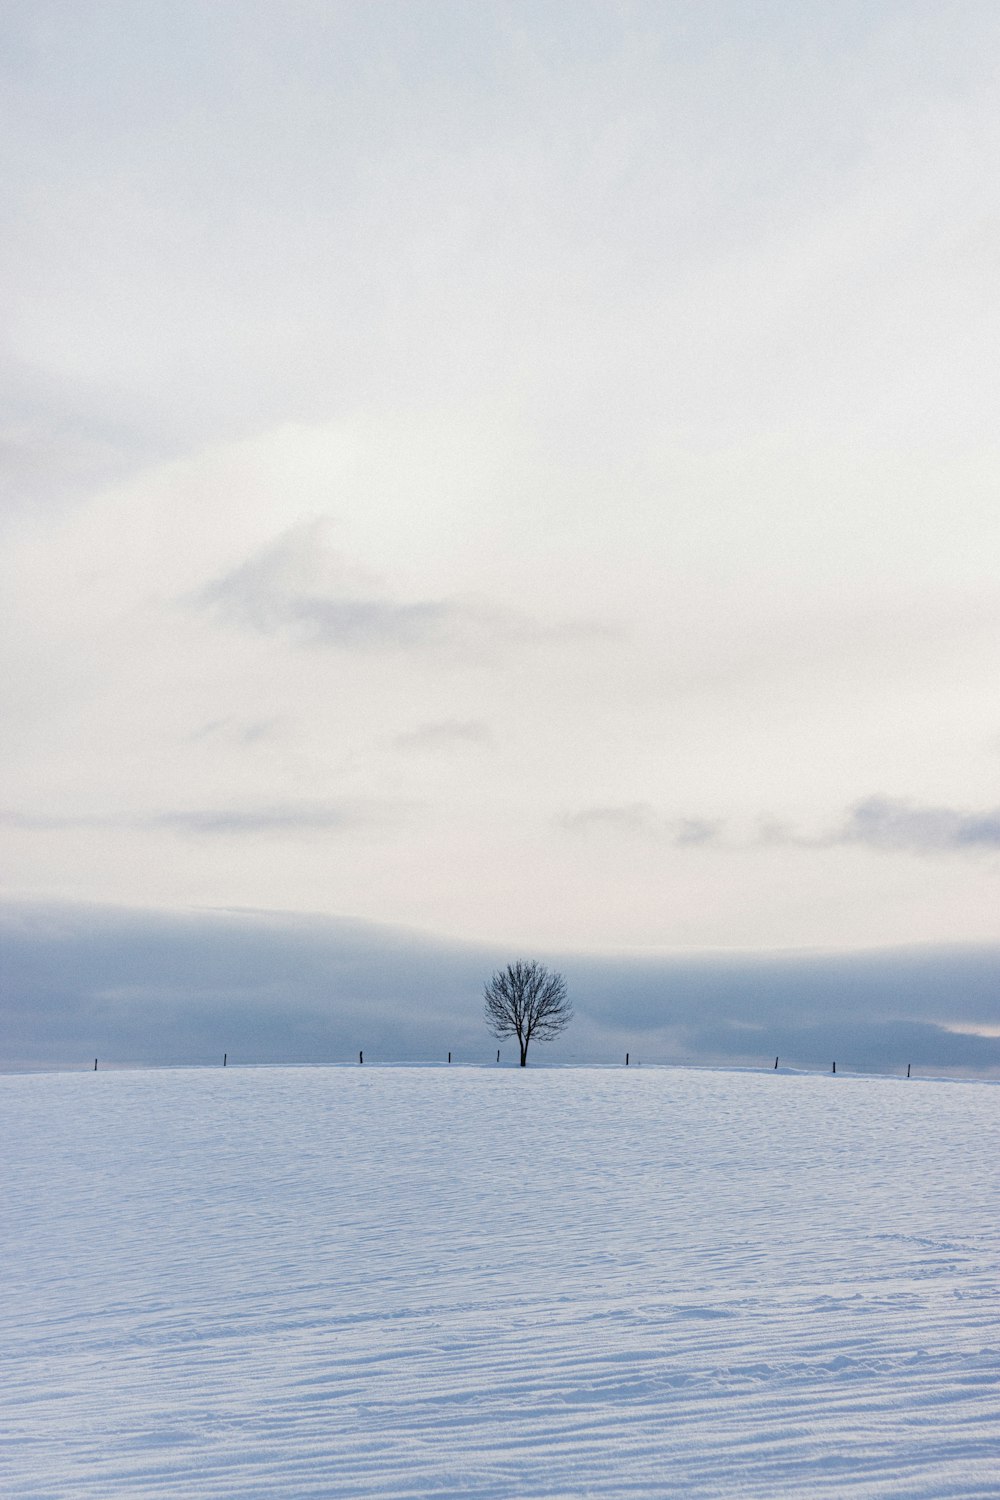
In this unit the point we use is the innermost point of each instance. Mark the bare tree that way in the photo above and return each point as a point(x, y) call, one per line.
point(525, 1000)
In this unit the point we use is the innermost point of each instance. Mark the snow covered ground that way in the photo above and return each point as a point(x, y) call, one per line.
point(456, 1281)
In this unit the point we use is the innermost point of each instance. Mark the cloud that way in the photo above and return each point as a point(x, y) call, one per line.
point(892, 824)
point(443, 735)
point(642, 818)
point(373, 271)
point(298, 587)
point(695, 831)
point(303, 818)
point(28, 822)
point(307, 817)
point(153, 987)
point(628, 817)
point(934, 1007)
point(237, 731)
point(146, 986)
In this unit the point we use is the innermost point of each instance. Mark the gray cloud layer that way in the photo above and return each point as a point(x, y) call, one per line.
point(154, 988)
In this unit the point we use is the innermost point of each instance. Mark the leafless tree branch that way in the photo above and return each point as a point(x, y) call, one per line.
point(525, 1000)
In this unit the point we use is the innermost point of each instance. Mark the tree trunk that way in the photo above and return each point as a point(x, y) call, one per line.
point(524, 1054)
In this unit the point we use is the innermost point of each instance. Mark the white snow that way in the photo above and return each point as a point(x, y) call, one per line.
point(471, 1282)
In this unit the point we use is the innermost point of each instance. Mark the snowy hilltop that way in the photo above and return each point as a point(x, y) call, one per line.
point(557, 1282)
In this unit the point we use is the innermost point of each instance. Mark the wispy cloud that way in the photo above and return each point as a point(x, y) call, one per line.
point(695, 831)
point(307, 817)
point(882, 823)
point(295, 587)
point(886, 823)
point(31, 822)
point(893, 824)
point(628, 817)
point(302, 818)
point(300, 588)
point(237, 731)
point(641, 818)
point(443, 735)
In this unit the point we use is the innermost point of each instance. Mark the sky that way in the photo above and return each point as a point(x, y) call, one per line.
point(502, 479)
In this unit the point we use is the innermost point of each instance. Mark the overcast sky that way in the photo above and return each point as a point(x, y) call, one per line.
point(525, 473)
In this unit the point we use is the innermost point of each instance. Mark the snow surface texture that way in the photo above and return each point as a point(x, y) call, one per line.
point(558, 1282)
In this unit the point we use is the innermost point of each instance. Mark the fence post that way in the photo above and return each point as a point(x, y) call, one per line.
point(835, 1067)
point(626, 1059)
point(95, 1064)
point(775, 1064)
point(225, 1057)
point(449, 1057)
point(908, 1067)
point(361, 1057)
point(498, 1054)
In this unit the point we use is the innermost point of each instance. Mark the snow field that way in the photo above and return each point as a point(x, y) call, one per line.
point(449, 1281)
